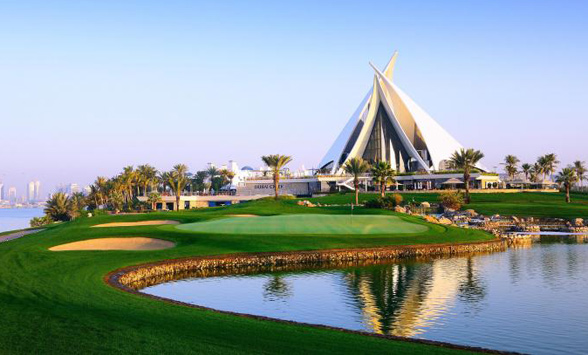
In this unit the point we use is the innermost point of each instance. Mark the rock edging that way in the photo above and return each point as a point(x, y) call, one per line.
point(127, 276)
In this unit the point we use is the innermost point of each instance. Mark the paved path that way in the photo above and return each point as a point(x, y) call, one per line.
point(16, 235)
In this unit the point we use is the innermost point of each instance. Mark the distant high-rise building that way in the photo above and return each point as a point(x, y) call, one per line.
point(73, 188)
point(1, 191)
point(87, 190)
point(31, 192)
point(37, 190)
point(12, 194)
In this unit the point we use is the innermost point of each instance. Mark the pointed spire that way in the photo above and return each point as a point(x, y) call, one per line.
point(389, 70)
point(380, 75)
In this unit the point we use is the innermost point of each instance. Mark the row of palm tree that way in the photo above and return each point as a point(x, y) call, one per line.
point(381, 172)
point(121, 191)
point(544, 166)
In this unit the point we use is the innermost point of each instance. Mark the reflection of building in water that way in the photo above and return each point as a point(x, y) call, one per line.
point(405, 299)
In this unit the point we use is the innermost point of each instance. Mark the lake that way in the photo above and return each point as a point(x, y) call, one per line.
point(531, 299)
point(17, 218)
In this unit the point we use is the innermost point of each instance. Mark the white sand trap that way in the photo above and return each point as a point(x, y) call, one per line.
point(135, 224)
point(242, 215)
point(135, 243)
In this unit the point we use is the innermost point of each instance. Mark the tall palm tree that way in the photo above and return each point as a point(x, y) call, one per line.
point(276, 162)
point(163, 178)
point(146, 176)
point(58, 207)
point(510, 165)
point(382, 175)
point(551, 163)
point(466, 159)
point(128, 180)
point(356, 167)
point(227, 177)
point(526, 170)
point(567, 177)
point(536, 170)
point(212, 172)
point(542, 165)
point(77, 202)
point(178, 179)
point(99, 191)
point(580, 168)
point(199, 181)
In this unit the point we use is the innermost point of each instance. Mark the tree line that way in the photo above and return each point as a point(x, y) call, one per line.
point(546, 165)
point(121, 192)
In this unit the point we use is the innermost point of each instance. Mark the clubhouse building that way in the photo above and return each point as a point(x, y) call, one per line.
point(387, 126)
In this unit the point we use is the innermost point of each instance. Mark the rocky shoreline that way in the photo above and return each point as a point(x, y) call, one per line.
point(127, 277)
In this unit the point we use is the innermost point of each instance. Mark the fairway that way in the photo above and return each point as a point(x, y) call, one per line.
point(306, 224)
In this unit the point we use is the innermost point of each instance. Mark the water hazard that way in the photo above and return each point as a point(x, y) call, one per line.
point(531, 299)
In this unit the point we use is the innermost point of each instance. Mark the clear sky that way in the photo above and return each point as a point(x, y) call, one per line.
point(87, 87)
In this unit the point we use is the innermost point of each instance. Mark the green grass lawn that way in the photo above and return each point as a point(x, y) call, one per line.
point(58, 302)
point(524, 204)
point(307, 224)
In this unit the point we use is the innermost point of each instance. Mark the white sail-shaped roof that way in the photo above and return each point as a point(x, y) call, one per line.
point(440, 143)
point(388, 125)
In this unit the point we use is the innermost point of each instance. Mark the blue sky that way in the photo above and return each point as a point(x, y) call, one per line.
point(87, 87)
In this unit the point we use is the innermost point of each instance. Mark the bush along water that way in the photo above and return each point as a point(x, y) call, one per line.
point(386, 202)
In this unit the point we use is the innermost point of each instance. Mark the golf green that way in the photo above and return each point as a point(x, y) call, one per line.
point(306, 224)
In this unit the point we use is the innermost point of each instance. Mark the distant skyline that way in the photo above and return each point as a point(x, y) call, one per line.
point(89, 87)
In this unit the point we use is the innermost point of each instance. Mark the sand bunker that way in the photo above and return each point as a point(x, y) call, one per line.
point(135, 224)
point(242, 215)
point(135, 243)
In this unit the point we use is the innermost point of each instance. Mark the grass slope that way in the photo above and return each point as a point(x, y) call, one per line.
point(524, 204)
point(57, 302)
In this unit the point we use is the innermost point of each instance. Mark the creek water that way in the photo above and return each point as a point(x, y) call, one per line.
point(531, 299)
point(17, 218)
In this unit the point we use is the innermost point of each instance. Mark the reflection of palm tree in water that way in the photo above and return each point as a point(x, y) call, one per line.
point(276, 288)
point(382, 291)
point(472, 289)
point(406, 299)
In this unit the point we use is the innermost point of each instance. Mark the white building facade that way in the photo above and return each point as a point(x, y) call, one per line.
point(389, 126)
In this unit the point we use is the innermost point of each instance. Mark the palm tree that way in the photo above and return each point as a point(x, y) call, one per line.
point(178, 179)
point(536, 170)
point(510, 165)
point(580, 168)
point(153, 198)
point(128, 180)
point(541, 166)
point(58, 207)
point(227, 177)
point(382, 174)
point(567, 177)
point(466, 159)
point(551, 164)
point(526, 170)
point(276, 162)
point(99, 191)
point(356, 167)
point(146, 175)
point(163, 178)
point(199, 181)
point(77, 202)
point(212, 172)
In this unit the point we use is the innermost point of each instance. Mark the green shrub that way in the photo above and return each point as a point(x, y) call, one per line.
point(40, 221)
point(452, 200)
point(376, 203)
point(387, 202)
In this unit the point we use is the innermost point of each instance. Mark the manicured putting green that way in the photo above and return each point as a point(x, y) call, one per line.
point(307, 224)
